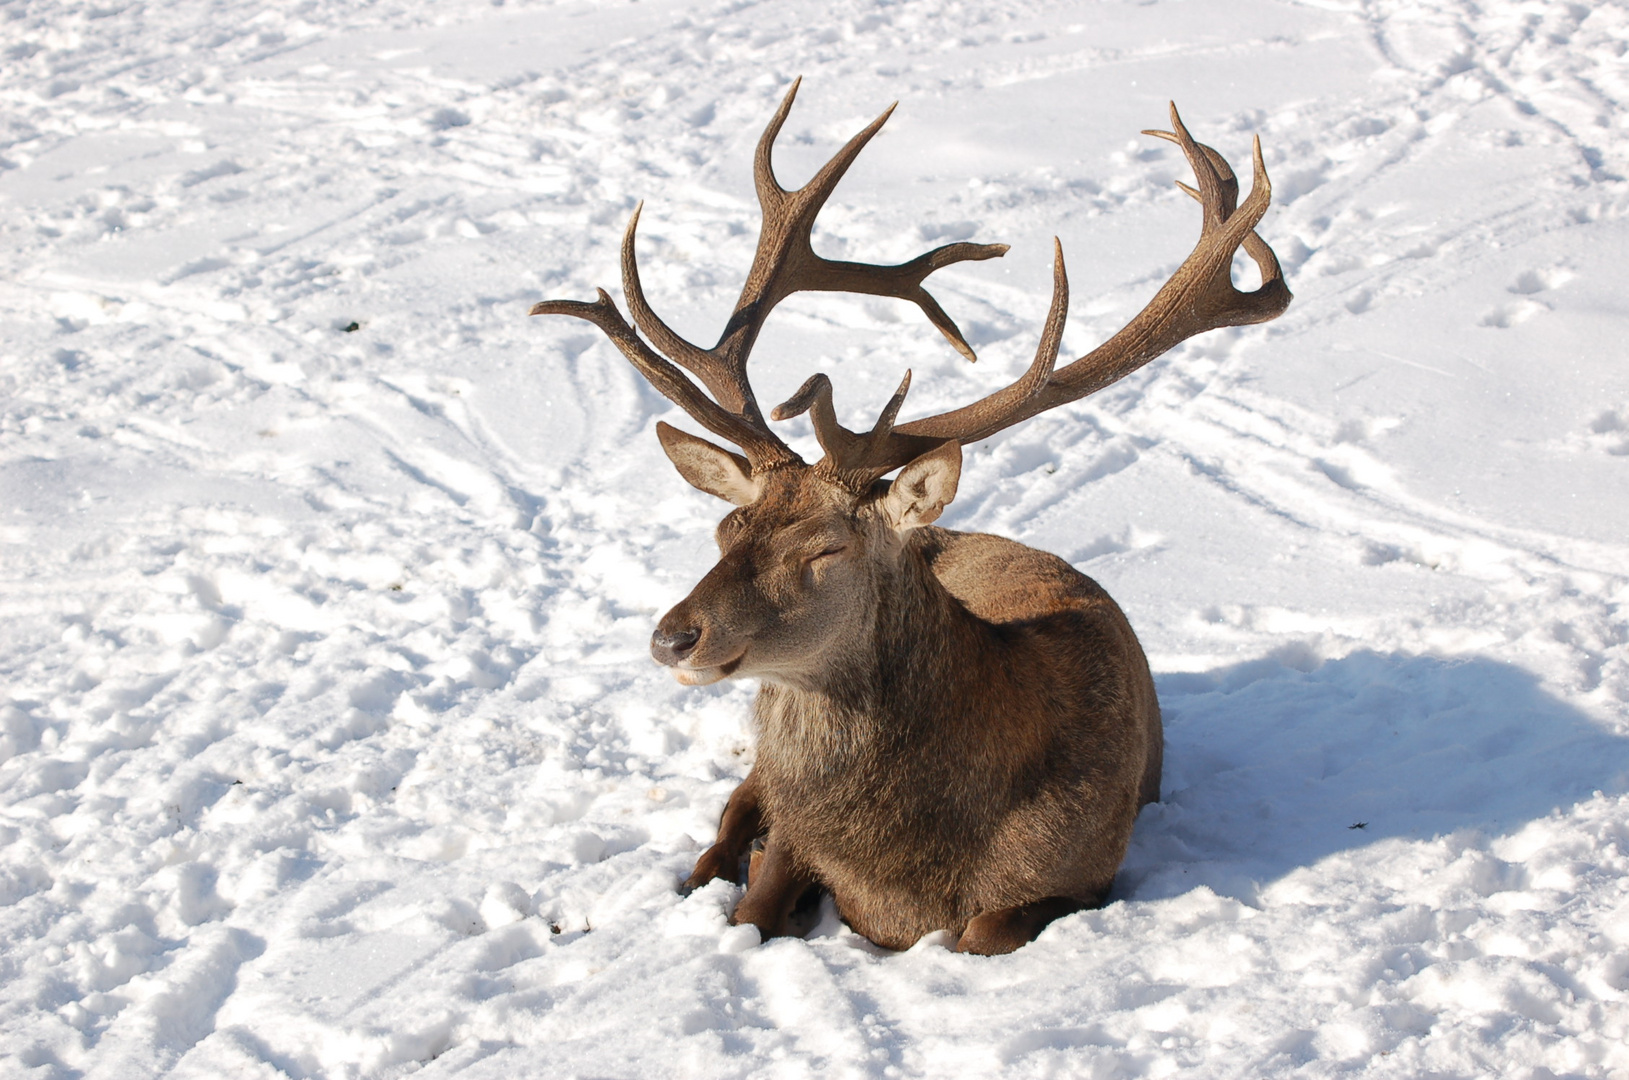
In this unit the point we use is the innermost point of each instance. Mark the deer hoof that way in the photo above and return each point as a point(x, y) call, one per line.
point(993, 933)
point(713, 864)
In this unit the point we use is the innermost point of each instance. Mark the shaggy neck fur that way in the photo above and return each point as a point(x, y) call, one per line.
point(891, 691)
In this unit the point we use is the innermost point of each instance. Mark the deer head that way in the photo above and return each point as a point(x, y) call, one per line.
point(806, 560)
point(810, 550)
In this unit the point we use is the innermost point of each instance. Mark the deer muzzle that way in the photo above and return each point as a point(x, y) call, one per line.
point(668, 647)
point(679, 646)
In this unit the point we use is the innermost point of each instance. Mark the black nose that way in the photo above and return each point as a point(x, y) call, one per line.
point(670, 648)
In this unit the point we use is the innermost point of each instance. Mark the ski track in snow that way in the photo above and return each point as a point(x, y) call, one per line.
point(329, 746)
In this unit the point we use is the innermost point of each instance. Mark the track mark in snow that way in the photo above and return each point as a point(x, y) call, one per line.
point(1507, 315)
point(171, 1009)
point(1536, 281)
point(1609, 431)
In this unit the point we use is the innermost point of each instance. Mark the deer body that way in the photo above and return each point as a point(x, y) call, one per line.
point(955, 731)
point(962, 725)
point(993, 747)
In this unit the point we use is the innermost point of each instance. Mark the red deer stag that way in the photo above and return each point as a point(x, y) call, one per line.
point(954, 731)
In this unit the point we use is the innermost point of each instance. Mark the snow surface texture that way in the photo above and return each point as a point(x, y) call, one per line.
point(329, 744)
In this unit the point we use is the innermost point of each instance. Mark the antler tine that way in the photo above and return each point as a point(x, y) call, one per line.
point(852, 459)
point(1046, 353)
point(1218, 190)
point(764, 449)
point(814, 398)
point(769, 189)
point(1200, 296)
point(890, 411)
point(694, 358)
point(812, 196)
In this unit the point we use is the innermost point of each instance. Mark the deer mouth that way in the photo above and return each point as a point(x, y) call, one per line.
point(688, 676)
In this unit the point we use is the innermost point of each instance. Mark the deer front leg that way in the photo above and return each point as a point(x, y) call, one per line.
point(775, 886)
point(992, 933)
point(742, 823)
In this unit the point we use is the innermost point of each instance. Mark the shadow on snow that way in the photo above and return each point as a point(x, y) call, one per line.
point(1269, 768)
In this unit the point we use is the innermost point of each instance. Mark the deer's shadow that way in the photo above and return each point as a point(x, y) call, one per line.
point(1269, 768)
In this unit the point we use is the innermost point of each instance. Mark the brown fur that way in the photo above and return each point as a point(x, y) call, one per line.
point(955, 731)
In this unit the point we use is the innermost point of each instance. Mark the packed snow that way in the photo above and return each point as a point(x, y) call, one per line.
point(329, 741)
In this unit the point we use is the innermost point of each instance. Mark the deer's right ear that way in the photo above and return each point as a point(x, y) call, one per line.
point(710, 468)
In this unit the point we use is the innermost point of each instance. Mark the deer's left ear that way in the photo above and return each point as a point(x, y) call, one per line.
point(922, 490)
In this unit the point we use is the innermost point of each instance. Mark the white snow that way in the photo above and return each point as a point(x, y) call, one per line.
point(329, 744)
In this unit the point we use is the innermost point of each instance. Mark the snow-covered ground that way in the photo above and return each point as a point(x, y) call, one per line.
point(329, 744)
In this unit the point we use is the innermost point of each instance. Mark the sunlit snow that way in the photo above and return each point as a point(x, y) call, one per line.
point(329, 742)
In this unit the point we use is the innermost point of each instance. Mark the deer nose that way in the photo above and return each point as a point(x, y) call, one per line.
point(671, 647)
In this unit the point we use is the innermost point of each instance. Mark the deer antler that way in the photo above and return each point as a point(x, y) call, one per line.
point(785, 263)
point(1200, 296)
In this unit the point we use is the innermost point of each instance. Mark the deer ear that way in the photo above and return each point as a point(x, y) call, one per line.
point(922, 490)
point(711, 468)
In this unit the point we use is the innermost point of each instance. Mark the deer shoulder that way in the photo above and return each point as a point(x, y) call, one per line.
point(1003, 581)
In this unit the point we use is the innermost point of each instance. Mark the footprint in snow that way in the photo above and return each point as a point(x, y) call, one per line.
point(1609, 431)
point(1529, 282)
point(1504, 316)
